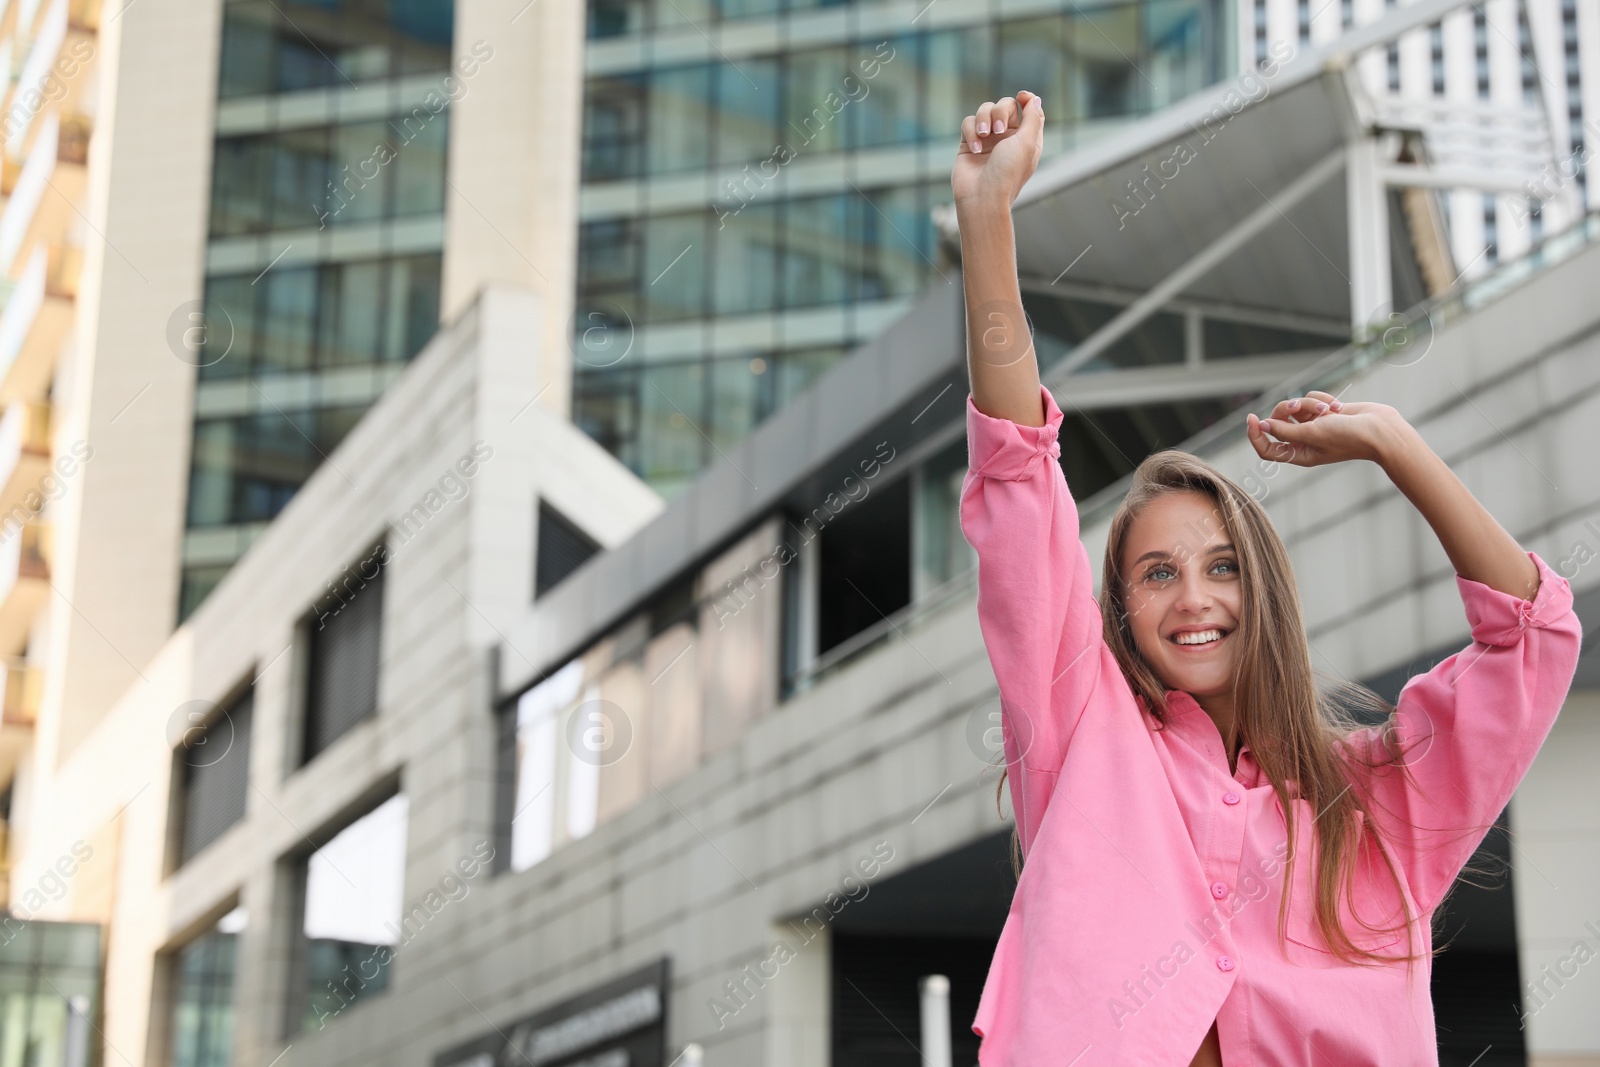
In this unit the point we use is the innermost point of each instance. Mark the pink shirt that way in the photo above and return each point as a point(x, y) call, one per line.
point(1148, 903)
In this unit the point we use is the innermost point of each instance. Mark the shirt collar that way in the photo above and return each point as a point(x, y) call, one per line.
point(1188, 716)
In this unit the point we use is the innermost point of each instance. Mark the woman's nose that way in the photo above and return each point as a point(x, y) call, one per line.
point(1193, 595)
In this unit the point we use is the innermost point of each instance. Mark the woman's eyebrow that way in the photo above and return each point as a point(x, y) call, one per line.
point(1213, 550)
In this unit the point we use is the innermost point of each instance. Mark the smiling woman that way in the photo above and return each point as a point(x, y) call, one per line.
point(1176, 727)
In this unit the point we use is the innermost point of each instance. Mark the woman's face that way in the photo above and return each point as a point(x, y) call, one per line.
point(1181, 576)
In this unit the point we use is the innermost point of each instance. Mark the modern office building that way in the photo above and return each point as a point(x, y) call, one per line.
point(818, 135)
point(597, 643)
point(757, 204)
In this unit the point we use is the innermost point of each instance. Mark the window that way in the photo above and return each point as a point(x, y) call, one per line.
point(613, 127)
point(613, 18)
point(560, 737)
point(531, 743)
point(865, 561)
point(344, 639)
point(562, 549)
point(211, 772)
point(271, 47)
point(49, 991)
point(246, 468)
point(202, 995)
point(316, 177)
point(352, 910)
point(321, 316)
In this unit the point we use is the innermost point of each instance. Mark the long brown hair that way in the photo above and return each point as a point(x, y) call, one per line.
point(1291, 724)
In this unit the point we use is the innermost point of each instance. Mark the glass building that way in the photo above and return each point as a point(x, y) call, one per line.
point(758, 178)
point(49, 989)
point(326, 230)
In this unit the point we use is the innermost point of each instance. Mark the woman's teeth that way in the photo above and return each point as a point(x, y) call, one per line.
point(1199, 637)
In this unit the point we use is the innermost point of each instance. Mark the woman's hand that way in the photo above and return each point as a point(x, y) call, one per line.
point(1318, 428)
point(1000, 147)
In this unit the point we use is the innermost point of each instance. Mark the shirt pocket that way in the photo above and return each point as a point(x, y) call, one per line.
point(1375, 923)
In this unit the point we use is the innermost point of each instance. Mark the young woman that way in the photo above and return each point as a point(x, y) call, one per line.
point(1219, 865)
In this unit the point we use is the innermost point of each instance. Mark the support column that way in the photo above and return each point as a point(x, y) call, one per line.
point(1371, 289)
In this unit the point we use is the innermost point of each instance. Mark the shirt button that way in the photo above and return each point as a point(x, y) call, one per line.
point(1225, 963)
point(1219, 889)
point(1230, 798)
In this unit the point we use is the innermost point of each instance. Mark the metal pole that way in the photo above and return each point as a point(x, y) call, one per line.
point(935, 990)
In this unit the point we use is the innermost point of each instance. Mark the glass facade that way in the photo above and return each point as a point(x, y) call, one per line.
point(748, 219)
point(301, 333)
point(49, 992)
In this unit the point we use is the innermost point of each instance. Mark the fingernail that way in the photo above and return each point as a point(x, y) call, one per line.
point(983, 127)
point(1266, 424)
point(999, 127)
point(1294, 404)
point(1321, 407)
point(976, 147)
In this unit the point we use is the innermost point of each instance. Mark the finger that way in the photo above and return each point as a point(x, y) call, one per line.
point(969, 134)
point(1295, 433)
point(1032, 112)
point(1005, 114)
point(1265, 447)
point(1333, 402)
point(985, 113)
point(1299, 409)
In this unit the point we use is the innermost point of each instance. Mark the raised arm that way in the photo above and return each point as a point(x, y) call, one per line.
point(1036, 606)
point(1468, 729)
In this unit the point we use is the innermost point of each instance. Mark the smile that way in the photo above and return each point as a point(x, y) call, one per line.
point(1199, 640)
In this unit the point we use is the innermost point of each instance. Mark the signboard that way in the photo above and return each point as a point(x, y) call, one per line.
point(619, 1024)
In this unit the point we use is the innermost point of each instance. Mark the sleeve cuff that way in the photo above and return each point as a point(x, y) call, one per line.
point(1499, 618)
point(1000, 448)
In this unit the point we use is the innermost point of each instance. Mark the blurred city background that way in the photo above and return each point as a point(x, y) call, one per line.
point(480, 571)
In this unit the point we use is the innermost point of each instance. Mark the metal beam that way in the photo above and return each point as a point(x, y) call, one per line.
point(1175, 382)
point(1198, 266)
point(1405, 175)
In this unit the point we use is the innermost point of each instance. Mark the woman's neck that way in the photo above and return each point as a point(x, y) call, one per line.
point(1220, 709)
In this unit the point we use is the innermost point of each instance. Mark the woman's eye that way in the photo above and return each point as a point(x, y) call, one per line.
point(1157, 571)
point(1228, 563)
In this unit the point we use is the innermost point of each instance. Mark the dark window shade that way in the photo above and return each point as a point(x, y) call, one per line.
point(562, 549)
point(214, 769)
point(345, 636)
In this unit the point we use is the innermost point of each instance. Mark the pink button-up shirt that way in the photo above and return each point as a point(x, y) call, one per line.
point(1148, 902)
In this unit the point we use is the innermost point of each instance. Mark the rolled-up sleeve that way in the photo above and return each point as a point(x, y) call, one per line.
point(1470, 728)
point(1036, 607)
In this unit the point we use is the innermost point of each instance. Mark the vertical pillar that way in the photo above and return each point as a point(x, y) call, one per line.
point(935, 990)
point(1371, 290)
point(799, 1024)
